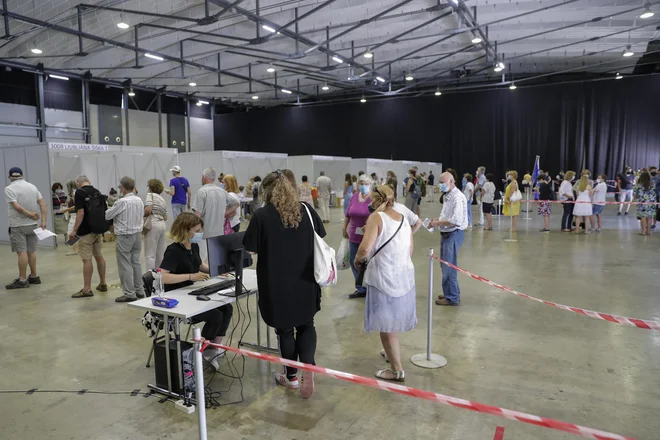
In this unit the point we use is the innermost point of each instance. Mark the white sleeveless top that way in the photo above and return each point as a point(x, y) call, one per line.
point(391, 271)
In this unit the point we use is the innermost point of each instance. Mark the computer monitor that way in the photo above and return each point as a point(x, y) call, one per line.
point(223, 252)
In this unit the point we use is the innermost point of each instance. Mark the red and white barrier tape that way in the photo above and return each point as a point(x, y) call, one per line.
point(427, 395)
point(623, 320)
point(593, 203)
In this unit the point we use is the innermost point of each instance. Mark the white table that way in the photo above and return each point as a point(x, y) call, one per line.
point(189, 307)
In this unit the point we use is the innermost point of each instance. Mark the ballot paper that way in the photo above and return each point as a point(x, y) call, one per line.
point(43, 233)
point(425, 223)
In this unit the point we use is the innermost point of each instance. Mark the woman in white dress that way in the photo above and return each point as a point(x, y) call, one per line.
point(583, 206)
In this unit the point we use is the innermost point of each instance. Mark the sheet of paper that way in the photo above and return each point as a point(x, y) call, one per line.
point(43, 233)
point(425, 223)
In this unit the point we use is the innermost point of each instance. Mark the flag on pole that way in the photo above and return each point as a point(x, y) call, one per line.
point(535, 174)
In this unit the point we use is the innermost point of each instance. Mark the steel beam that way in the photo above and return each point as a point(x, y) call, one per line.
point(6, 19)
point(131, 11)
point(126, 118)
point(297, 19)
point(137, 54)
point(85, 110)
point(159, 108)
point(41, 110)
point(464, 12)
point(80, 40)
point(188, 124)
point(190, 31)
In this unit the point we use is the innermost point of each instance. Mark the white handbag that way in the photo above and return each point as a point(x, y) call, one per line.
point(325, 265)
point(516, 196)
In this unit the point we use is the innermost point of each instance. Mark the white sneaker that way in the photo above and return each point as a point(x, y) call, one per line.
point(213, 357)
point(291, 384)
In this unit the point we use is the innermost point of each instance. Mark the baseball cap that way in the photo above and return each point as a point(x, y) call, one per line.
point(176, 168)
point(15, 172)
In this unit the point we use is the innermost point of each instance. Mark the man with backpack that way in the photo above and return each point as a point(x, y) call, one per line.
point(89, 228)
point(180, 192)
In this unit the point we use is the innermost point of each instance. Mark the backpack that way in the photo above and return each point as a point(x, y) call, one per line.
point(95, 207)
point(415, 190)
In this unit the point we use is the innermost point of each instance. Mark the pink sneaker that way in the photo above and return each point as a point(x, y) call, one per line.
point(307, 385)
point(291, 384)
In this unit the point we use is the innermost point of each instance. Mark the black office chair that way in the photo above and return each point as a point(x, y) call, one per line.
point(148, 283)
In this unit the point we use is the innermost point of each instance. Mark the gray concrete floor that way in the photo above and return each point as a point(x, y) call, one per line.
point(502, 350)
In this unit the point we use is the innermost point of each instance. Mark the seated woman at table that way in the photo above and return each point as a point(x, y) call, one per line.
point(182, 266)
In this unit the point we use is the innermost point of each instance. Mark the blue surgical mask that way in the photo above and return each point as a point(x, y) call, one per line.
point(444, 187)
point(364, 189)
point(197, 237)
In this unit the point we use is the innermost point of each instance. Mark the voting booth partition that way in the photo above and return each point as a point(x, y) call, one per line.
point(335, 167)
point(33, 160)
point(105, 165)
point(369, 166)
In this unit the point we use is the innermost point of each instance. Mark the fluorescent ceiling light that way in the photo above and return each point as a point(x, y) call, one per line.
point(122, 25)
point(268, 28)
point(58, 77)
point(363, 100)
point(153, 57)
point(454, 2)
point(192, 84)
point(648, 13)
point(36, 50)
point(380, 79)
point(499, 67)
point(199, 104)
point(628, 52)
point(270, 69)
point(618, 76)
point(288, 92)
point(513, 86)
point(368, 55)
point(409, 76)
point(203, 102)
point(131, 92)
point(476, 40)
point(325, 87)
point(337, 59)
point(255, 97)
point(438, 92)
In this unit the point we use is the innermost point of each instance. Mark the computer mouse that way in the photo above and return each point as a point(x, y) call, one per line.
point(203, 298)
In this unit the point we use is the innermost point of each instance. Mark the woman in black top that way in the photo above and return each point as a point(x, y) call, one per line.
point(182, 266)
point(282, 234)
point(545, 196)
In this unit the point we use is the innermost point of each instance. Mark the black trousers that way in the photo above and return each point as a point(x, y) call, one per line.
point(567, 217)
point(301, 347)
point(216, 321)
point(236, 228)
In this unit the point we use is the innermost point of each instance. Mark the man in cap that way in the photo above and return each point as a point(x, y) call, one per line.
point(180, 191)
point(26, 210)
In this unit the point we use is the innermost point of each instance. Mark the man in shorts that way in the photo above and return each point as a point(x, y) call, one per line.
point(90, 244)
point(26, 210)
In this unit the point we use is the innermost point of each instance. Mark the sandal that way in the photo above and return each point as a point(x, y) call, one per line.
point(391, 375)
point(384, 355)
point(488, 229)
point(82, 294)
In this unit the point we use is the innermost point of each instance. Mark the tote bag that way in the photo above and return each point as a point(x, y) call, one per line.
point(325, 265)
point(516, 196)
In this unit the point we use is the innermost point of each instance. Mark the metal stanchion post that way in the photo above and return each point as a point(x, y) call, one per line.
point(527, 196)
point(199, 382)
point(428, 359)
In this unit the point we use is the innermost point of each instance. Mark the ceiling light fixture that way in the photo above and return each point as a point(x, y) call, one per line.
point(122, 24)
point(409, 76)
point(203, 102)
point(513, 86)
point(325, 87)
point(628, 52)
point(288, 92)
point(50, 75)
point(270, 69)
point(36, 51)
point(618, 76)
point(380, 79)
point(192, 84)
point(255, 97)
point(363, 100)
point(368, 55)
point(476, 40)
point(438, 92)
point(648, 13)
point(268, 28)
point(454, 2)
point(131, 92)
point(499, 67)
point(153, 57)
point(337, 59)
point(199, 104)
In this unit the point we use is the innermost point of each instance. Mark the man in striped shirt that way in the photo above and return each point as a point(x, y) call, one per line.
point(128, 216)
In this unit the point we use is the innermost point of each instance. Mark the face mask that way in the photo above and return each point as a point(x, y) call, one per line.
point(508, 178)
point(364, 189)
point(197, 237)
point(222, 185)
point(444, 187)
point(61, 191)
point(599, 180)
point(372, 209)
point(588, 176)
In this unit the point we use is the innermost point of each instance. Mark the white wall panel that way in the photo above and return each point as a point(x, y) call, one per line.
point(63, 118)
point(358, 165)
point(245, 165)
point(201, 134)
point(143, 128)
point(23, 114)
point(334, 167)
point(302, 166)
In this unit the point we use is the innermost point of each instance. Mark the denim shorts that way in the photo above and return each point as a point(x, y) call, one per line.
point(597, 209)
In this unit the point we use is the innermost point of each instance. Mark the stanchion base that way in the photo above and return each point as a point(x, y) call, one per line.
point(510, 240)
point(527, 218)
point(421, 360)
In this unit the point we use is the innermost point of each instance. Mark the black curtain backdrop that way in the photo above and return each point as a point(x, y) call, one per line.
point(594, 125)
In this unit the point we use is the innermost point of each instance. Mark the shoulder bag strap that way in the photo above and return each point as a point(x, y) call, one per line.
point(388, 241)
point(311, 220)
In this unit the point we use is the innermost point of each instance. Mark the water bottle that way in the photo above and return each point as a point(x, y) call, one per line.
point(158, 284)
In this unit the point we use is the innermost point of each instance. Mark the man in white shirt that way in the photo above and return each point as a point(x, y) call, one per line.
point(452, 222)
point(128, 216)
point(26, 209)
point(480, 182)
point(324, 188)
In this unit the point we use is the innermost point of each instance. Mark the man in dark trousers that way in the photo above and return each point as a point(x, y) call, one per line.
point(625, 186)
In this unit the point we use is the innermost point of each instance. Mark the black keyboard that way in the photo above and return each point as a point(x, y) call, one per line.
point(213, 288)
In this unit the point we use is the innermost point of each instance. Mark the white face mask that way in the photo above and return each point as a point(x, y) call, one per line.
point(599, 180)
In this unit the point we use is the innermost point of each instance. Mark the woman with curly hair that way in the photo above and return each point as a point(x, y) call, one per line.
point(282, 234)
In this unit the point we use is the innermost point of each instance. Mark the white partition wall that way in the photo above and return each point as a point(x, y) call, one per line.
point(335, 167)
point(247, 164)
point(33, 160)
point(358, 165)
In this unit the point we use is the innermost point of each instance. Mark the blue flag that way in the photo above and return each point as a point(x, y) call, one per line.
point(535, 174)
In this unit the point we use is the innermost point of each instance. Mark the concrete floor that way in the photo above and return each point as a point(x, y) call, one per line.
point(502, 350)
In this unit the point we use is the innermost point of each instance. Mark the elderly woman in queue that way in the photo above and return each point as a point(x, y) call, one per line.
point(389, 277)
point(282, 234)
point(154, 240)
point(182, 266)
point(354, 222)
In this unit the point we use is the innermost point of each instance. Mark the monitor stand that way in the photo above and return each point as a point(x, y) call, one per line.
point(238, 271)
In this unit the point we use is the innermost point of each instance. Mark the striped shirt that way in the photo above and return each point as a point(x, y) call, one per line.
point(128, 215)
point(158, 206)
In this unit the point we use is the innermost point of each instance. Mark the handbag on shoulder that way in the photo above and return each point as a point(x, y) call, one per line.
point(359, 280)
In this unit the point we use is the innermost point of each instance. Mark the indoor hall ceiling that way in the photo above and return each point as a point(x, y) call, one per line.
point(225, 46)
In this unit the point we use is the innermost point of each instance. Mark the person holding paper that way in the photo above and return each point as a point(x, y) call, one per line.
point(452, 222)
point(26, 209)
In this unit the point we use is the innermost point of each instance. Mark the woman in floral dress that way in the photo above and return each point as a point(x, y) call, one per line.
point(644, 191)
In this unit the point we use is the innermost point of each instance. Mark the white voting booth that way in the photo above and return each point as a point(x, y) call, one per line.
point(105, 165)
point(335, 167)
point(33, 160)
point(369, 166)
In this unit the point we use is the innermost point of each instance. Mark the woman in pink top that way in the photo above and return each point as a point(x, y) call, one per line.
point(354, 222)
